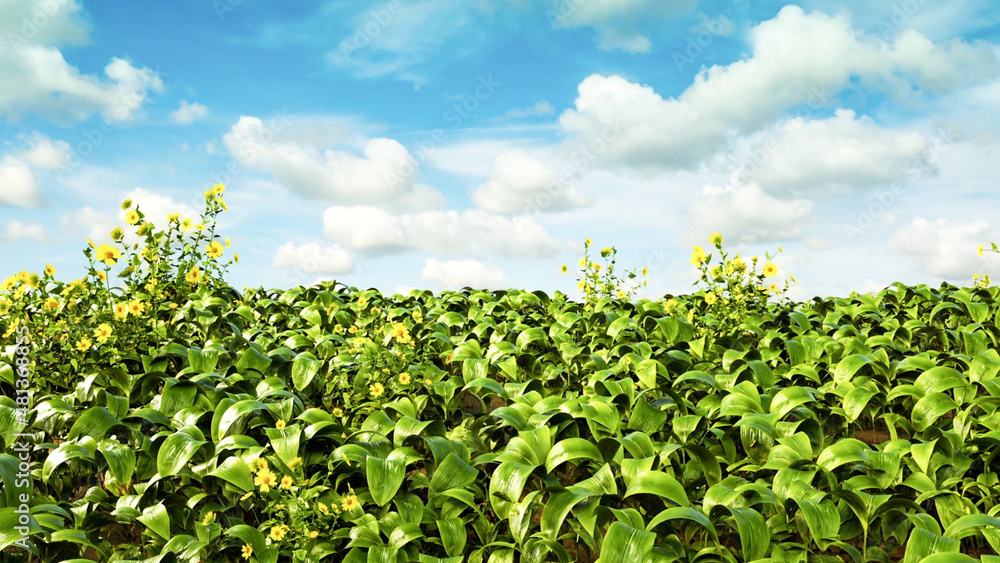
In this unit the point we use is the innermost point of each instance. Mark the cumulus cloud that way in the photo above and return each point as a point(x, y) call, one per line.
point(619, 23)
point(384, 171)
point(189, 113)
point(746, 214)
point(456, 274)
point(97, 224)
point(944, 247)
point(17, 230)
point(21, 186)
point(797, 59)
point(314, 258)
point(156, 207)
point(36, 78)
point(520, 182)
point(374, 231)
point(841, 153)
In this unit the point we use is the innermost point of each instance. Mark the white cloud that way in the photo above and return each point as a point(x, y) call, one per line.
point(396, 38)
point(374, 231)
point(944, 247)
point(841, 153)
point(21, 187)
point(156, 207)
point(619, 23)
point(746, 214)
point(542, 107)
point(35, 78)
point(98, 225)
point(385, 171)
point(521, 183)
point(313, 258)
point(797, 59)
point(456, 274)
point(189, 113)
point(17, 230)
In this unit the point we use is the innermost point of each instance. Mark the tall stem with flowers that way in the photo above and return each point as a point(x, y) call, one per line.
point(599, 281)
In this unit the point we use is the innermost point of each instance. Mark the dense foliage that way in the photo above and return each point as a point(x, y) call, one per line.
point(333, 424)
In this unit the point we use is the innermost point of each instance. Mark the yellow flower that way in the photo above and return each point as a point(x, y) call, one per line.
point(103, 332)
point(131, 216)
point(51, 303)
point(102, 276)
point(121, 311)
point(710, 298)
point(218, 189)
point(199, 227)
point(136, 307)
point(595, 265)
point(564, 269)
point(621, 294)
point(264, 480)
point(287, 482)
point(589, 242)
point(228, 245)
point(773, 288)
point(8, 284)
point(186, 223)
point(645, 271)
point(208, 519)
point(108, 254)
point(980, 250)
point(400, 333)
point(193, 276)
point(127, 204)
point(698, 256)
point(296, 461)
point(715, 239)
point(236, 257)
point(280, 425)
point(259, 464)
point(428, 381)
point(51, 271)
point(583, 262)
point(404, 378)
point(770, 270)
point(376, 389)
point(247, 552)
point(350, 503)
point(173, 217)
point(277, 533)
point(715, 272)
point(580, 284)
point(606, 251)
point(214, 249)
point(313, 534)
point(84, 344)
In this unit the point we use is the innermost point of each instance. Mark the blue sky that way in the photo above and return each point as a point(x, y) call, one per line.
point(440, 143)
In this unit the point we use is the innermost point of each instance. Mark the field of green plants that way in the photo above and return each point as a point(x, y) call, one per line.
point(170, 417)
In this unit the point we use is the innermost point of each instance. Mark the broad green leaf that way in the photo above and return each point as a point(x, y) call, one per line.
point(572, 449)
point(384, 478)
point(660, 484)
point(175, 453)
point(625, 544)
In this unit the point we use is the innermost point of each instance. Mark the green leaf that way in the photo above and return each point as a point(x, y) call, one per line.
point(929, 408)
point(569, 449)
point(156, 519)
point(9, 524)
point(453, 536)
point(304, 369)
point(453, 473)
point(683, 513)
point(120, 458)
point(175, 452)
point(95, 422)
point(625, 544)
point(660, 484)
point(255, 539)
point(384, 478)
point(236, 472)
